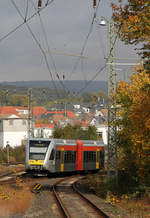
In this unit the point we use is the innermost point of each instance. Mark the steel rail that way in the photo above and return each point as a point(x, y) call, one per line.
point(13, 174)
point(63, 208)
point(90, 203)
point(60, 204)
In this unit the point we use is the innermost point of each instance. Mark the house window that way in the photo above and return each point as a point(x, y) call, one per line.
point(100, 134)
point(23, 122)
point(10, 122)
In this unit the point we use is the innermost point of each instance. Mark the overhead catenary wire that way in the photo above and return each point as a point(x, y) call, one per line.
point(36, 13)
point(92, 79)
point(82, 50)
point(27, 7)
point(106, 60)
point(86, 39)
point(39, 45)
point(49, 50)
point(25, 20)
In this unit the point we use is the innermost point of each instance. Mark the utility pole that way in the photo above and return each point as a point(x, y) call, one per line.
point(30, 115)
point(112, 161)
point(7, 147)
point(112, 151)
point(112, 157)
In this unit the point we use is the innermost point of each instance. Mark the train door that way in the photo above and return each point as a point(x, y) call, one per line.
point(51, 160)
point(59, 163)
point(89, 160)
point(97, 159)
point(62, 160)
point(69, 161)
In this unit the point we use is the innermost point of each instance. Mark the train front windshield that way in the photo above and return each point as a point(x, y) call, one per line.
point(38, 149)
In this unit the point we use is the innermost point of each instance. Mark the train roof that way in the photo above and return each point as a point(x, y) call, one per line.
point(73, 142)
point(69, 141)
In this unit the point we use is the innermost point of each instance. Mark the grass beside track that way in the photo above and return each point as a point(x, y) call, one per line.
point(4, 169)
point(133, 206)
point(15, 198)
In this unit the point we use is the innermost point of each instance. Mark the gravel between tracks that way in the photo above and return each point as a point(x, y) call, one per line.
point(44, 206)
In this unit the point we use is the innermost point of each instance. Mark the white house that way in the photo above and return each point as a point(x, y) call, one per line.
point(43, 130)
point(76, 106)
point(101, 128)
point(103, 131)
point(13, 129)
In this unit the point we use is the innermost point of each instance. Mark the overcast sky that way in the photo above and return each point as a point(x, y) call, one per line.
point(66, 24)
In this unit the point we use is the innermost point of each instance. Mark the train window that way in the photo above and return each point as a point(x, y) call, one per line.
point(70, 156)
point(34, 156)
point(52, 155)
point(39, 143)
point(89, 156)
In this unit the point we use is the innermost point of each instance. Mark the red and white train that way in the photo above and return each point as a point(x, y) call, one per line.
point(60, 155)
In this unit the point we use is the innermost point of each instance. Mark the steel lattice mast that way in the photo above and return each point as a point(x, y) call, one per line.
point(112, 161)
point(30, 115)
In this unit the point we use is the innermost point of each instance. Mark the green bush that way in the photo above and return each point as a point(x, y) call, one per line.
point(3, 156)
point(16, 154)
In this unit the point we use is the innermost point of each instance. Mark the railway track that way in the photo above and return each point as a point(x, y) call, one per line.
point(72, 203)
point(59, 197)
point(10, 177)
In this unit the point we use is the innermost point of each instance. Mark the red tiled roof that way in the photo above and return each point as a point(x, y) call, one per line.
point(38, 125)
point(69, 114)
point(11, 109)
point(39, 110)
point(58, 117)
point(36, 111)
point(84, 124)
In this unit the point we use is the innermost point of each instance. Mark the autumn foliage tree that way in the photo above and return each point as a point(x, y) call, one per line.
point(133, 22)
point(76, 132)
point(134, 125)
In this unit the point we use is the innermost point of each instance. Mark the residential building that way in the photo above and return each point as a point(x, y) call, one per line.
point(14, 122)
point(43, 130)
point(13, 129)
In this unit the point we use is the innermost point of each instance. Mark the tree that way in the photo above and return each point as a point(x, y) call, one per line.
point(133, 23)
point(134, 125)
point(18, 100)
point(87, 97)
point(76, 132)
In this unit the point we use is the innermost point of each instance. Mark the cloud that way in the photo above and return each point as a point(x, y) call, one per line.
point(66, 24)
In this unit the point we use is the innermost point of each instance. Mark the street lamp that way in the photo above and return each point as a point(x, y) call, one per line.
point(103, 21)
point(112, 157)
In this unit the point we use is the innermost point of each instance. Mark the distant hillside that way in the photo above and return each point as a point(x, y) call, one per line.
point(72, 85)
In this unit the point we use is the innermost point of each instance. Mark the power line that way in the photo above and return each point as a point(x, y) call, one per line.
point(45, 35)
point(49, 51)
point(86, 39)
point(102, 68)
point(92, 79)
point(37, 13)
point(27, 7)
point(39, 45)
point(25, 20)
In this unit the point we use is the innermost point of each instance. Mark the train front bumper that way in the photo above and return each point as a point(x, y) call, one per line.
point(36, 165)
